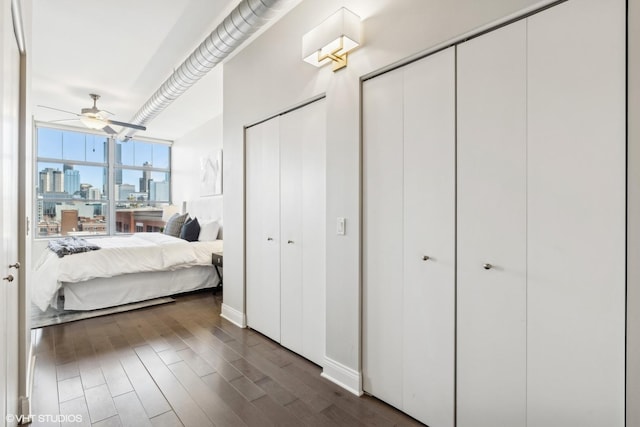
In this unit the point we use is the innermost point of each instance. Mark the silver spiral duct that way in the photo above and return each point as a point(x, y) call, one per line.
point(243, 21)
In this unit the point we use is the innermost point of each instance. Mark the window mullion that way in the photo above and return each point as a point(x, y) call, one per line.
point(111, 185)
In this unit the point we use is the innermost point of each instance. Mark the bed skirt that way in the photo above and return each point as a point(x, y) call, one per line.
point(108, 292)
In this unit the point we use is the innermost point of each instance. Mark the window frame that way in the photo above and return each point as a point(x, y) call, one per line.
point(110, 166)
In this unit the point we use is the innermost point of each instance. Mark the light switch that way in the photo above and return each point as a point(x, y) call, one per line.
point(341, 226)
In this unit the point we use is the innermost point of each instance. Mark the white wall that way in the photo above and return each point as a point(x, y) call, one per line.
point(185, 159)
point(269, 76)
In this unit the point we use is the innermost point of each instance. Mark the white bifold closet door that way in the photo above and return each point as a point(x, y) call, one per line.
point(263, 227)
point(409, 243)
point(492, 291)
point(303, 228)
point(576, 215)
point(286, 228)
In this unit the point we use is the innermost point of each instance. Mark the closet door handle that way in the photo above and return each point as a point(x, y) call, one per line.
point(289, 242)
point(269, 239)
point(9, 278)
point(425, 257)
point(16, 265)
point(487, 266)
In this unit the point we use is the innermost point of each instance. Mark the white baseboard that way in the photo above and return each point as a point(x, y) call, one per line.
point(234, 316)
point(347, 378)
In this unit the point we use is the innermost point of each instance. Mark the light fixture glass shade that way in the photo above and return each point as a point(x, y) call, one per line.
point(92, 122)
point(332, 39)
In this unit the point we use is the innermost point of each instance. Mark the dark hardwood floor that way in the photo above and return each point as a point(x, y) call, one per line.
point(182, 364)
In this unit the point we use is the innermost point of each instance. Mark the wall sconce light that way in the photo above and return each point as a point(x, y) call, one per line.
point(332, 40)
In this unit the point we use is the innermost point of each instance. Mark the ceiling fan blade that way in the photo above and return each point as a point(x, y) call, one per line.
point(127, 125)
point(58, 109)
point(63, 120)
point(109, 130)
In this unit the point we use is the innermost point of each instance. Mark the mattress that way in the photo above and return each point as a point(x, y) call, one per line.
point(138, 253)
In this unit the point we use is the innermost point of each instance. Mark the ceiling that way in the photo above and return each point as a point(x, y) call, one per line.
point(124, 50)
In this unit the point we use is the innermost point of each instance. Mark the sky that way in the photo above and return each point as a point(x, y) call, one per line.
point(78, 146)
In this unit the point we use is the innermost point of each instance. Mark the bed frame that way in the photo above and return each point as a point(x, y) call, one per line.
point(128, 288)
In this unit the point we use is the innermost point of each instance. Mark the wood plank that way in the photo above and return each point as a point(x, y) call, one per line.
point(151, 398)
point(114, 421)
point(77, 412)
point(250, 414)
point(278, 414)
point(70, 389)
point(131, 411)
point(45, 392)
point(185, 407)
point(211, 403)
point(195, 362)
point(247, 388)
point(168, 419)
point(100, 403)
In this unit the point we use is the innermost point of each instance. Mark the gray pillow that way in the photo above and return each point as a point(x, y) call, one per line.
point(173, 227)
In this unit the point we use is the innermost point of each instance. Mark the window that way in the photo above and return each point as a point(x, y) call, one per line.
point(80, 191)
point(141, 185)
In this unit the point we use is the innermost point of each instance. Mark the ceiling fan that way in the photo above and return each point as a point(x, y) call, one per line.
point(93, 118)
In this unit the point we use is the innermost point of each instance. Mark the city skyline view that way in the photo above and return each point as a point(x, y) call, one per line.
point(70, 148)
point(73, 192)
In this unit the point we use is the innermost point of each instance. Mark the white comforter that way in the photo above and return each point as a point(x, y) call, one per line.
point(137, 253)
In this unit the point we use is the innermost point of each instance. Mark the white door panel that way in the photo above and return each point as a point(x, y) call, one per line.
point(9, 125)
point(491, 363)
point(314, 231)
point(291, 248)
point(383, 237)
point(576, 215)
point(263, 228)
point(428, 327)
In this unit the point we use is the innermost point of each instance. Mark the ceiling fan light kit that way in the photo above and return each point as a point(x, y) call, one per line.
point(96, 119)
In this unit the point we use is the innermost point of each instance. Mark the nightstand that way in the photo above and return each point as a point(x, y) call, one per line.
point(216, 260)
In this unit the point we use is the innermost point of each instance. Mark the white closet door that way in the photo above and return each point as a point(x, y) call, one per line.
point(383, 262)
point(291, 285)
point(314, 231)
point(576, 215)
point(491, 313)
point(263, 228)
point(428, 327)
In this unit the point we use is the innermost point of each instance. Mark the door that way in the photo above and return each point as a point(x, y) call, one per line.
point(576, 215)
point(9, 122)
point(491, 239)
point(314, 219)
point(382, 234)
point(263, 227)
point(291, 281)
point(428, 351)
point(409, 238)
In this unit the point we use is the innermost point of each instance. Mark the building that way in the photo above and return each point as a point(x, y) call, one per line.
point(159, 191)
point(51, 181)
point(146, 178)
point(71, 180)
point(124, 191)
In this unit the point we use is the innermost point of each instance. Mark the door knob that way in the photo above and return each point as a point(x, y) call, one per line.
point(9, 278)
point(289, 242)
point(269, 239)
point(487, 266)
point(425, 257)
point(16, 265)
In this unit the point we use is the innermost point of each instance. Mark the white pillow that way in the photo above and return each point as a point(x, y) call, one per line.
point(209, 231)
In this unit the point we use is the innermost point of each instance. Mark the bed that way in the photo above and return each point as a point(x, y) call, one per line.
point(125, 269)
